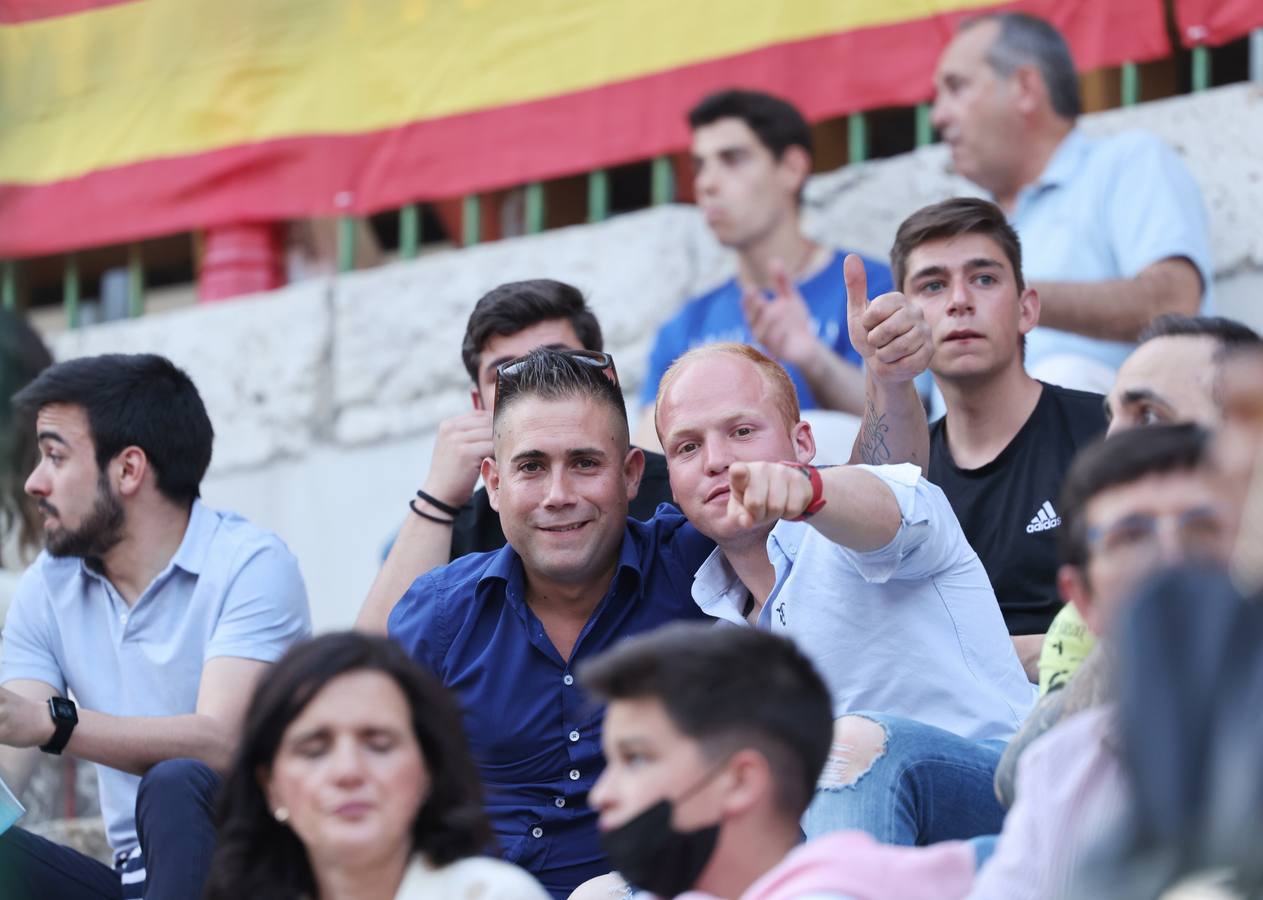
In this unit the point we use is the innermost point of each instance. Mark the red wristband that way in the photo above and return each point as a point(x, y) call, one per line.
point(817, 490)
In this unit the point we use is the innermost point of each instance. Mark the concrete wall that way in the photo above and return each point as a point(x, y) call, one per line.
point(325, 395)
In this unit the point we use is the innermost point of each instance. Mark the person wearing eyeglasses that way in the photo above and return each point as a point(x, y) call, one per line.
point(1139, 501)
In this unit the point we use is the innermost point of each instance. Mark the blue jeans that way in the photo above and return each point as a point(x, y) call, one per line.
point(905, 782)
point(176, 831)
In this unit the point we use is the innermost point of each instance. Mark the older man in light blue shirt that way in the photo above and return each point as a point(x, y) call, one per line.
point(1113, 229)
point(1106, 209)
point(155, 614)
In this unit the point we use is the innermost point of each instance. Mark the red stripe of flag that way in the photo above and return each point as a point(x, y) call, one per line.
point(1210, 23)
point(14, 11)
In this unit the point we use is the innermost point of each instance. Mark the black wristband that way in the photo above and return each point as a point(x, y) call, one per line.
point(65, 718)
point(412, 505)
point(452, 511)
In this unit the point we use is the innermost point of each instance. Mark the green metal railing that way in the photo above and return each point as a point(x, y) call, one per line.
point(535, 207)
point(9, 284)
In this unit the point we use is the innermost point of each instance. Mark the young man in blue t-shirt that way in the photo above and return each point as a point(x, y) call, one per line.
point(751, 157)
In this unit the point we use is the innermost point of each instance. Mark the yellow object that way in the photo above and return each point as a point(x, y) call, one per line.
point(1065, 648)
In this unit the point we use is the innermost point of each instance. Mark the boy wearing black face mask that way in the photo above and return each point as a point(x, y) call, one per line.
point(714, 739)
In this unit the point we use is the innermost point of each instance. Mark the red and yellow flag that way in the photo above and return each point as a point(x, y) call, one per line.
point(125, 119)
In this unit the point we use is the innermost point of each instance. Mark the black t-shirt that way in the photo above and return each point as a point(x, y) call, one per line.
point(1008, 508)
point(477, 527)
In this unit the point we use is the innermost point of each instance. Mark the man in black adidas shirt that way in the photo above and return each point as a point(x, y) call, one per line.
point(1000, 452)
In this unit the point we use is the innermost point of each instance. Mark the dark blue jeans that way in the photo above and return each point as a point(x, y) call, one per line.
point(923, 784)
point(174, 825)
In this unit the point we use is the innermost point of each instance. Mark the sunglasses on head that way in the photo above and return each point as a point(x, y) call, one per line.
point(594, 358)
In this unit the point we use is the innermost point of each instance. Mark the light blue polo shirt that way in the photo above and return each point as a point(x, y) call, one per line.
point(910, 630)
point(1106, 208)
point(231, 589)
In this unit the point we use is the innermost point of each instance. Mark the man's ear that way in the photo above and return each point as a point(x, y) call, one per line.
point(1028, 310)
point(795, 163)
point(491, 478)
point(633, 471)
point(128, 469)
point(475, 396)
point(804, 442)
point(1030, 90)
point(1072, 584)
point(747, 783)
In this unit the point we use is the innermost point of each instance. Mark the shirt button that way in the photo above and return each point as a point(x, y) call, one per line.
point(567, 679)
point(574, 774)
point(574, 736)
point(537, 832)
point(559, 802)
point(123, 618)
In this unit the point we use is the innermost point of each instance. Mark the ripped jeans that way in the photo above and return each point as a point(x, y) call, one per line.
point(905, 782)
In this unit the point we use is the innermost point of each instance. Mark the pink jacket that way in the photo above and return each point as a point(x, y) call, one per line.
point(853, 865)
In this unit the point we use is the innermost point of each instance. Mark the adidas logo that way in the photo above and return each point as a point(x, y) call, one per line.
point(1045, 519)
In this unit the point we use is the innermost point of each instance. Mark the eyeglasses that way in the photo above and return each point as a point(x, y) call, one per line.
point(594, 358)
point(1199, 532)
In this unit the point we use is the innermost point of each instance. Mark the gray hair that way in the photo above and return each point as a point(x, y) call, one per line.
point(1025, 40)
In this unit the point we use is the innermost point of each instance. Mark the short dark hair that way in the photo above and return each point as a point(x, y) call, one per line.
point(258, 856)
point(1119, 459)
point(777, 123)
point(553, 375)
point(516, 306)
point(949, 219)
point(1027, 40)
point(22, 357)
point(729, 688)
point(1229, 334)
point(140, 400)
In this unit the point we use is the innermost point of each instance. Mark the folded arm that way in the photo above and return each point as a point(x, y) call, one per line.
point(135, 743)
point(1119, 309)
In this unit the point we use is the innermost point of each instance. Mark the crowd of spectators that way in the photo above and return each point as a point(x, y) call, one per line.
point(668, 656)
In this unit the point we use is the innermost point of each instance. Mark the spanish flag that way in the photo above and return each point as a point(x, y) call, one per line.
point(127, 119)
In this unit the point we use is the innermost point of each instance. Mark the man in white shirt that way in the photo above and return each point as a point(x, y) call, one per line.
point(880, 589)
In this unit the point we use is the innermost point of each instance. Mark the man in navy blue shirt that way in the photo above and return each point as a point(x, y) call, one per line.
point(751, 157)
point(504, 629)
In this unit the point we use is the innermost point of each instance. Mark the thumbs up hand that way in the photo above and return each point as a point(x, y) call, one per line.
point(890, 332)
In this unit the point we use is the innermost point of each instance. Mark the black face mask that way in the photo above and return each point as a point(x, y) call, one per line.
point(653, 856)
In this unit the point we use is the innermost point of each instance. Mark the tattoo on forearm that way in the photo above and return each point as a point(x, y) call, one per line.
point(873, 429)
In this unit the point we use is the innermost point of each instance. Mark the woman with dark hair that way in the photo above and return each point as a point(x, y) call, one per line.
point(353, 780)
point(22, 357)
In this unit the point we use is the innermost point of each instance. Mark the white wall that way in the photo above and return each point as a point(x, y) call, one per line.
point(325, 395)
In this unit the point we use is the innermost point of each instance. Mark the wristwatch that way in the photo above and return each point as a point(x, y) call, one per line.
point(65, 718)
point(817, 490)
